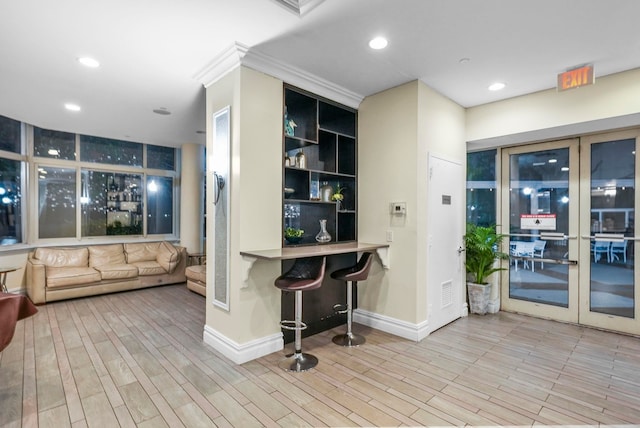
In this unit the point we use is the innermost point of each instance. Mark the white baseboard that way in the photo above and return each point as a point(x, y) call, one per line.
point(241, 353)
point(400, 328)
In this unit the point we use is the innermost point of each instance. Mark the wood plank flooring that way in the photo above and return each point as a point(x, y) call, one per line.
point(137, 359)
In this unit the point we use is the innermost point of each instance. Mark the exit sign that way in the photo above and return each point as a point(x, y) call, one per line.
point(575, 78)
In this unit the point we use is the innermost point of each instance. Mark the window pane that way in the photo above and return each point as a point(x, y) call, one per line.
point(481, 188)
point(159, 205)
point(111, 203)
point(56, 202)
point(159, 157)
point(10, 206)
point(54, 144)
point(9, 134)
point(105, 150)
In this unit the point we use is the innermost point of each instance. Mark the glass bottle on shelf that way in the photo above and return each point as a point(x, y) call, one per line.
point(326, 191)
point(301, 160)
point(323, 236)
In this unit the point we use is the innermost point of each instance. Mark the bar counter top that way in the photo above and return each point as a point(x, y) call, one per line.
point(287, 253)
point(313, 250)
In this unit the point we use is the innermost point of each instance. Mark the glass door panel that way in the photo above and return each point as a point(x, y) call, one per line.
point(609, 277)
point(541, 276)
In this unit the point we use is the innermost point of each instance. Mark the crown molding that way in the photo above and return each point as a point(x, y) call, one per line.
point(301, 78)
point(239, 54)
point(222, 64)
point(299, 7)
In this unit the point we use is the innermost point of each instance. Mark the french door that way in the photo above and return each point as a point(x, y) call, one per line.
point(568, 208)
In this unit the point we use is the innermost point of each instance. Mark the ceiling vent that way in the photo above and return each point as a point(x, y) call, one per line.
point(299, 7)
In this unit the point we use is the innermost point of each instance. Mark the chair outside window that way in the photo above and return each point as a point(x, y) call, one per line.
point(618, 250)
point(599, 249)
point(538, 250)
point(523, 249)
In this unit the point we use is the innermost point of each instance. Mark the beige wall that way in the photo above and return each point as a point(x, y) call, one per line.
point(387, 172)
point(397, 129)
point(255, 202)
point(192, 198)
point(588, 109)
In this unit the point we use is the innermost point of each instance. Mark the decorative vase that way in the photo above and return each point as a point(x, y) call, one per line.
point(326, 191)
point(323, 236)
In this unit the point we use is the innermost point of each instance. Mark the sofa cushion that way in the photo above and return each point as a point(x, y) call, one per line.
point(149, 268)
point(141, 252)
point(63, 257)
point(100, 255)
point(168, 256)
point(119, 271)
point(197, 273)
point(68, 276)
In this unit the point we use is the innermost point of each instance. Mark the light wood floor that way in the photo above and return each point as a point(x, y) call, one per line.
point(137, 359)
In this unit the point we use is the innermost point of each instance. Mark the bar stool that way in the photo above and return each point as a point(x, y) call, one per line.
point(358, 272)
point(306, 274)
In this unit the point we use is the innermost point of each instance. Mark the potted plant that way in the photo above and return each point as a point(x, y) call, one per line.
point(482, 245)
point(293, 235)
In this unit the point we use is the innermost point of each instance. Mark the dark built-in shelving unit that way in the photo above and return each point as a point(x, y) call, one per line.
point(326, 135)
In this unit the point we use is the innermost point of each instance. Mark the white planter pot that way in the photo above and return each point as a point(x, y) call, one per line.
point(479, 296)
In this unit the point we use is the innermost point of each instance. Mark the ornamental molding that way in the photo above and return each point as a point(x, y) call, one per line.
point(239, 54)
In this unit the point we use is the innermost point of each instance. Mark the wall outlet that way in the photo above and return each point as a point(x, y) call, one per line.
point(389, 236)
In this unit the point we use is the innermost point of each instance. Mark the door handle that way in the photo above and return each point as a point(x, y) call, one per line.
point(460, 250)
point(218, 185)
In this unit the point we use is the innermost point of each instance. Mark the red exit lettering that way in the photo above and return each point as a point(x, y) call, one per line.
point(575, 78)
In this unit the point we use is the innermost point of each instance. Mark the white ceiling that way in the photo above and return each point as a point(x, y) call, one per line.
point(151, 50)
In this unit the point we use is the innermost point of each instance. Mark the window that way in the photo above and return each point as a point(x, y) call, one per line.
point(10, 135)
point(111, 203)
point(56, 202)
point(106, 150)
point(11, 179)
point(75, 198)
point(54, 144)
point(481, 188)
point(159, 205)
point(159, 157)
point(10, 202)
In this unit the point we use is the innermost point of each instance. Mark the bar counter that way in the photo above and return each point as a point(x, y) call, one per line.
point(288, 253)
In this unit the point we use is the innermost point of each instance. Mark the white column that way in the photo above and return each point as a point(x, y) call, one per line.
point(192, 198)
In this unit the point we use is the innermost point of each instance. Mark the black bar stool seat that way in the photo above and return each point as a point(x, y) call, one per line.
point(305, 274)
point(358, 272)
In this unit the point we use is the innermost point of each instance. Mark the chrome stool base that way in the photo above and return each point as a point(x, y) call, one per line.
point(349, 339)
point(298, 362)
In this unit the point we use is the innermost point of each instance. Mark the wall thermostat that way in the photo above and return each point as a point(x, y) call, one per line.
point(398, 208)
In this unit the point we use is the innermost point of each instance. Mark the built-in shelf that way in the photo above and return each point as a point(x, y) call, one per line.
point(325, 133)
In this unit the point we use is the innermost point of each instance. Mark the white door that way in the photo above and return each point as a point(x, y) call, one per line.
point(445, 273)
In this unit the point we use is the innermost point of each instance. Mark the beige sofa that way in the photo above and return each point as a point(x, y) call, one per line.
point(197, 278)
point(55, 273)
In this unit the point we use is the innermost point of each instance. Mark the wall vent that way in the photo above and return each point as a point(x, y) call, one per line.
point(447, 293)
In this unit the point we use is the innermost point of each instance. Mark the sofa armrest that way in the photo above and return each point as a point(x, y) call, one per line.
point(168, 256)
point(36, 281)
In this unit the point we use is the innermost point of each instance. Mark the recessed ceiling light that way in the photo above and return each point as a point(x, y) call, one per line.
point(88, 62)
point(464, 60)
point(72, 107)
point(552, 160)
point(378, 43)
point(497, 86)
point(162, 111)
